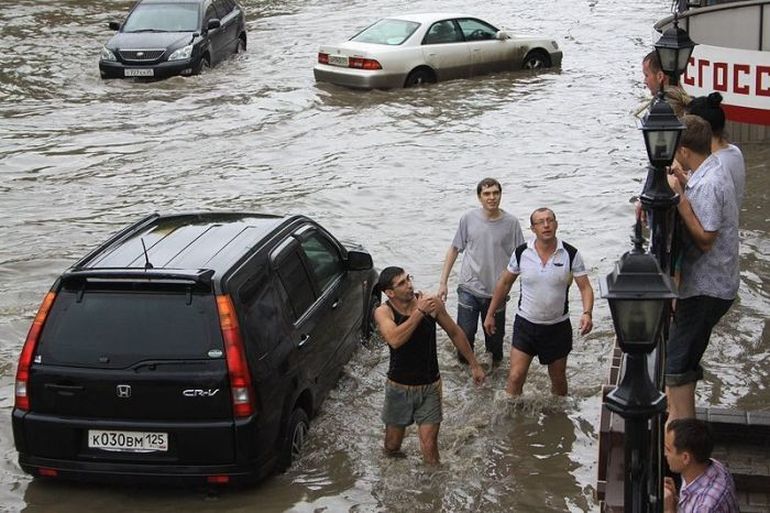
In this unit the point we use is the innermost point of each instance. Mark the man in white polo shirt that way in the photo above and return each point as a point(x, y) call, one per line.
point(542, 327)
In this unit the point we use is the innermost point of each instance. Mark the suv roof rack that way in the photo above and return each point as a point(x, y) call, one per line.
point(199, 276)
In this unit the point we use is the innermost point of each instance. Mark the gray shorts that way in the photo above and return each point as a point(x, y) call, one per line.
point(407, 404)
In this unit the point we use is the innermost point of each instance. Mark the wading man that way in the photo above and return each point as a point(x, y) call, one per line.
point(487, 237)
point(542, 327)
point(407, 321)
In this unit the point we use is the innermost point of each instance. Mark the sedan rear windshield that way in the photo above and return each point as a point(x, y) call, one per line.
point(163, 18)
point(118, 328)
point(387, 32)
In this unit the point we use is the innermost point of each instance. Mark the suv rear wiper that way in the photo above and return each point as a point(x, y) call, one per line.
point(147, 30)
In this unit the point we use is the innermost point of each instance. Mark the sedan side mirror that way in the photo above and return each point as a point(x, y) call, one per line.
point(359, 261)
point(502, 35)
point(214, 23)
point(114, 25)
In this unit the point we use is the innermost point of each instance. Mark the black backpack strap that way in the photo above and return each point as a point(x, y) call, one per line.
point(571, 251)
point(518, 251)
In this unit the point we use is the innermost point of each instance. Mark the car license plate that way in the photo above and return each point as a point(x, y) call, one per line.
point(135, 72)
point(338, 60)
point(127, 441)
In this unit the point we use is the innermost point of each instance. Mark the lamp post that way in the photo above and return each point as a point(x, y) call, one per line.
point(662, 130)
point(639, 294)
point(674, 49)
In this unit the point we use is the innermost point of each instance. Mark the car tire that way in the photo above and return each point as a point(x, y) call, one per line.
point(369, 326)
point(536, 59)
point(420, 76)
point(296, 433)
point(204, 63)
point(241, 46)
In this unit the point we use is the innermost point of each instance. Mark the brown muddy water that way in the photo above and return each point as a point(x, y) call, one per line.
point(80, 158)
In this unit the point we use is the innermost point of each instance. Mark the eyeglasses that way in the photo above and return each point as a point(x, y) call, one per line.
point(541, 222)
point(401, 283)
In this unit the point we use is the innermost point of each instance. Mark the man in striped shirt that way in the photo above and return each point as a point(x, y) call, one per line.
point(707, 486)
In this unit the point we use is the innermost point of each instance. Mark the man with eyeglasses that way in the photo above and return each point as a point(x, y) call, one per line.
point(407, 321)
point(487, 237)
point(542, 327)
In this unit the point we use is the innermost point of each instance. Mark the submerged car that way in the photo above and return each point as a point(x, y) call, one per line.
point(414, 49)
point(190, 348)
point(162, 38)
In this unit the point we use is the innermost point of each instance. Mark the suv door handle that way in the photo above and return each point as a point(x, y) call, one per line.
point(336, 303)
point(303, 340)
point(65, 389)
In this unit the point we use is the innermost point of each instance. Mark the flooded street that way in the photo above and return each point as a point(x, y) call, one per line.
point(80, 158)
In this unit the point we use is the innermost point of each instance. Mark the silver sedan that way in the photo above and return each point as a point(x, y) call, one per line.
point(414, 49)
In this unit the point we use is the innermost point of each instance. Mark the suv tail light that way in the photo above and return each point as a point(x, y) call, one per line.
point(240, 377)
point(323, 58)
point(28, 352)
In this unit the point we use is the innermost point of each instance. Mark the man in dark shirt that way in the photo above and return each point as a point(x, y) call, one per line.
point(407, 322)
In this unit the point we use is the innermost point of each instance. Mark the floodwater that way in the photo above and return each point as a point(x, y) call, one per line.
point(80, 158)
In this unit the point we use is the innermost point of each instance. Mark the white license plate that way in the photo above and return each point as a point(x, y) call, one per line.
point(127, 441)
point(135, 72)
point(338, 60)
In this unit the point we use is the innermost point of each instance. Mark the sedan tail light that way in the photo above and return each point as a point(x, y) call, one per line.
point(323, 58)
point(355, 62)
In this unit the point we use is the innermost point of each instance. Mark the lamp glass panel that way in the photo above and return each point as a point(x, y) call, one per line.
point(637, 320)
point(661, 144)
point(684, 57)
point(668, 58)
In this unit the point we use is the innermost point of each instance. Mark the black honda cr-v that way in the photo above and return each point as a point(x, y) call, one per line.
point(161, 38)
point(190, 347)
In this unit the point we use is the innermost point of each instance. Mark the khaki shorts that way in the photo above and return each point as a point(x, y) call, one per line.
point(407, 404)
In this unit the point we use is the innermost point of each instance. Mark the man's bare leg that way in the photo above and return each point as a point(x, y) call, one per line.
point(518, 374)
point(681, 401)
point(558, 372)
point(394, 435)
point(429, 442)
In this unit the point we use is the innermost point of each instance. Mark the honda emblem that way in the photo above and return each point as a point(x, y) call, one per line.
point(123, 391)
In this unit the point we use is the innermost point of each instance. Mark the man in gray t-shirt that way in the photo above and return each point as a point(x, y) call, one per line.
point(710, 273)
point(487, 237)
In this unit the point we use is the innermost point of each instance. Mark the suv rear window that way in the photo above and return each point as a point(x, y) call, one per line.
point(118, 328)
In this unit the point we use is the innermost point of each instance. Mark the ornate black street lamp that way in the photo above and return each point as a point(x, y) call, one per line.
point(674, 49)
point(639, 294)
point(662, 130)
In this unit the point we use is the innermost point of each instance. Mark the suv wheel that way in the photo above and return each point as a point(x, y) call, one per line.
point(369, 326)
point(296, 433)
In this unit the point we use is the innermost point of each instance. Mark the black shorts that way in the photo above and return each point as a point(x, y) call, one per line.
point(549, 342)
point(694, 319)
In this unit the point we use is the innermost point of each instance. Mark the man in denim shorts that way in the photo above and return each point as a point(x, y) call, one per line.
point(407, 322)
point(708, 211)
point(487, 237)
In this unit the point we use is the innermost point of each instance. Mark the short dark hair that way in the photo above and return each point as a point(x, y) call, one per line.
point(387, 275)
point(487, 182)
point(654, 61)
point(693, 436)
point(709, 108)
point(696, 135)
point(537, 211)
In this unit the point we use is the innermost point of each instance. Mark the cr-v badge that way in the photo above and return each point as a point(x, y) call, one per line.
point(199, 392)
point(123, 391)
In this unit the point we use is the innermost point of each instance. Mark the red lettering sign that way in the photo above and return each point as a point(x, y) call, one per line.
point(763, 71)
point(702, 63)
point(720, 76)
point(687, 78)
point(738, 69)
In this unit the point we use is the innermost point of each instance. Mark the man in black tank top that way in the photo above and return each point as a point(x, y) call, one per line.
point(407, 322)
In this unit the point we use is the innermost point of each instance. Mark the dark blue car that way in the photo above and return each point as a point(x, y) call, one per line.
point(162, 38)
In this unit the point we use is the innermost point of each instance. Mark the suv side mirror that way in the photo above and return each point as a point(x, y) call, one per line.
point(359, 261)
point(502, 35)
point(114, 25)
point(214, 23)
